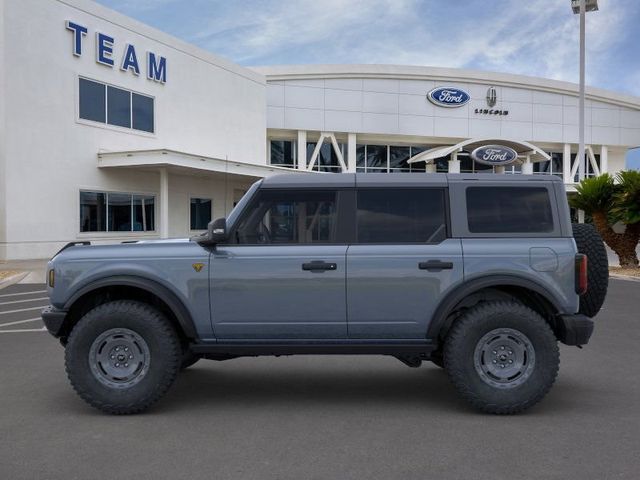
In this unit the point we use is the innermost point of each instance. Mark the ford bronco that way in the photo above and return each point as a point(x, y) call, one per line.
point(482, 275)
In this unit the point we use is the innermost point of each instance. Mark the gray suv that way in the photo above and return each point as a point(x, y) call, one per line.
point(480, 274)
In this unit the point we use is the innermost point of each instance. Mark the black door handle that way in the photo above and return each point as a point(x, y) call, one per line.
point(435, 265)
point(319, 266)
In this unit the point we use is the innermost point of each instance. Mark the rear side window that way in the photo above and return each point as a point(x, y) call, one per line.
point(509, 210)
point(401, 216)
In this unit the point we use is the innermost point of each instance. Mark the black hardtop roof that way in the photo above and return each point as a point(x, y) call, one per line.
point(336, 180)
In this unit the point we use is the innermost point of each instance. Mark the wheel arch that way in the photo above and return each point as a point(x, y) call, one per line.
point(494, 287)
point(134, 288)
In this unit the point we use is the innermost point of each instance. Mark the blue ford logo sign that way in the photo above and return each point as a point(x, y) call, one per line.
point(448, 96)
point(494, 155)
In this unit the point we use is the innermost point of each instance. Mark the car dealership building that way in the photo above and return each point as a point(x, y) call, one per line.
point(112, 131)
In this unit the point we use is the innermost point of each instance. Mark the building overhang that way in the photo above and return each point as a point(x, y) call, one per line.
point(524, 149)
point(185, 163)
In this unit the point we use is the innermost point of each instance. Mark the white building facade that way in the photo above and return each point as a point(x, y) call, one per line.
point(113, 131)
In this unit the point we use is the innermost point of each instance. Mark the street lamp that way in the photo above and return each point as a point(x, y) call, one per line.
point(580, 7)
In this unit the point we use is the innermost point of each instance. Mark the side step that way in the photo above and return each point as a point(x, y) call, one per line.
point(410, 349)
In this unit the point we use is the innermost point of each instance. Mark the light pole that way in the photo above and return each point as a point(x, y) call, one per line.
point(580, 7)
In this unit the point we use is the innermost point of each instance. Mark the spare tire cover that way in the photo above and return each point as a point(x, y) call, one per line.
point(590, 243)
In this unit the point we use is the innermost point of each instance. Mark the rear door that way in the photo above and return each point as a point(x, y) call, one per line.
point(401, 263)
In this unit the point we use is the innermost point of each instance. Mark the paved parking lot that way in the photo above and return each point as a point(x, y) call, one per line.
point(321, 417)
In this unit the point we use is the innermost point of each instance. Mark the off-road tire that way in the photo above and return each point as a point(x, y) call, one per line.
point(589, 242)
point(188, 358)
point(469, 330)
point(164, 356)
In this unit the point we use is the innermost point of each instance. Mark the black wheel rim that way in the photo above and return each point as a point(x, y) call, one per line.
point(504, 358)
point(119, 358)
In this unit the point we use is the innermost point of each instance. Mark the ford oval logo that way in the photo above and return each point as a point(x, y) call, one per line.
point(494, 155)
point(448, 97)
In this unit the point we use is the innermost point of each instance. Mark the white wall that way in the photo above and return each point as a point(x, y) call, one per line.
point(208, 106)
point(398, 106)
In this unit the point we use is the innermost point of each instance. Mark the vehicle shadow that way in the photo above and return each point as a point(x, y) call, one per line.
point(213, 385)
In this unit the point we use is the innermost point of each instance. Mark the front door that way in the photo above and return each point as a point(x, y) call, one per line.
point(283, 274)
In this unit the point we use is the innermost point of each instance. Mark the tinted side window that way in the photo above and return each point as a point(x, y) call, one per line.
point(509, 210)
point(401, 216)
point(286, 217)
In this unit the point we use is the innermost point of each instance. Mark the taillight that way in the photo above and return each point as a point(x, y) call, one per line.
point(581, 274)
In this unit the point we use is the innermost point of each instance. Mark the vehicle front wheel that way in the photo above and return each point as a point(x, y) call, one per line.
point(502, 357)
point(122, 356)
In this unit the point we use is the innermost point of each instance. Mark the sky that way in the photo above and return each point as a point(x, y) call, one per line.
point(529, 37)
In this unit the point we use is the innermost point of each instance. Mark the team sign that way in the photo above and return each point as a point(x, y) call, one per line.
point(156, 64)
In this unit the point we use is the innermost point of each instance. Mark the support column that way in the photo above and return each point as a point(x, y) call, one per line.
point(302, 150)
point(432, 168)
point(164, 203)
point(566, 164)
point(499, 169)
point(351, 152)
point(527, 166)
point(604, 159)
point(454, 163)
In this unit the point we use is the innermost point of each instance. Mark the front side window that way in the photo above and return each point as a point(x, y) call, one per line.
point(200, 213)
point(509, 210)
point(290, 217)
point(116, 212)
point(401, 216)
point(111, 105)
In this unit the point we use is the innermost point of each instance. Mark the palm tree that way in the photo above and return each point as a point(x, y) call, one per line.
point(609, 202)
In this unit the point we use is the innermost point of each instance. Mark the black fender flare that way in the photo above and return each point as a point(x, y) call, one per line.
point(458, 294)
point(176, 306)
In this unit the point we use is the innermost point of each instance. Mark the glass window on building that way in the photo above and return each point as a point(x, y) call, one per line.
point(509, 210)
point(144, 212)
point(118, 107)
point(376, 161)
point(200, 213)
point(398, 157)
point(142, 113)
point(401, 216)
point(93, 212)
point(550, 167)
point(590, 171)
point(290, 218)
point(119, 212)
point(111, 105)
point(116, 212)
point(283, 153)
point(92, 97)
point(327, 160)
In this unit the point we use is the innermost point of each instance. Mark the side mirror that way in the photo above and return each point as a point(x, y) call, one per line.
point(217, 231)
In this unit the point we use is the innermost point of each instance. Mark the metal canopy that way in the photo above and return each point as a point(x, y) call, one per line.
point(523, 148)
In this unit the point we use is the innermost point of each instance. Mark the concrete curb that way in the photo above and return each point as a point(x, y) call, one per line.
point(13, 279)
point(624, 277)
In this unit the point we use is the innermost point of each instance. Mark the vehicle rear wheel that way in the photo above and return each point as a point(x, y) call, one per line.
point(122, 356)
point(502, 357)
point(589, 242)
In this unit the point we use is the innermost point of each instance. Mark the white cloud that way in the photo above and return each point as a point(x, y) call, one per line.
point(530, 37)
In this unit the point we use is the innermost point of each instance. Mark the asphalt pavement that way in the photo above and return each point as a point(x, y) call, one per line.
point(321, 417)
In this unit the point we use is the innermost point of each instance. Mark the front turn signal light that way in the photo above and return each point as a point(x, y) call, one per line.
point(52, 278)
